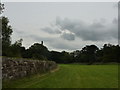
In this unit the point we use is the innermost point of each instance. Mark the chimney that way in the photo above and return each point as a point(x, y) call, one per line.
point(42, 42)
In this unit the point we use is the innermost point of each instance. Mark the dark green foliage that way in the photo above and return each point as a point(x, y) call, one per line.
point(61, 57)
point(66, 57)
point(8, 49)
point(37, 51)
point(89, 53)
point(6, 39)
point(110, 53)
point(6, 31)
point(16, 49)
point(56, 56)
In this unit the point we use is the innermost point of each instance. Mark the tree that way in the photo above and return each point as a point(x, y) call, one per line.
point(75, 56)
point(6, 36)
point(110, 53)
point(38, 51)
point(56, 56)
point(16, 49)
point(1, 8)
point(89, 53)
point(66, 57)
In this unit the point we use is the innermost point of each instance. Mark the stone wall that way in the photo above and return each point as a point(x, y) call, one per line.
point(16, 68)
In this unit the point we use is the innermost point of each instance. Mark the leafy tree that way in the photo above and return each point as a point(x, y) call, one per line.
point(15, 49)
point(76, 56)
point(66, 57)
point(99, 55)
point(23, 52)
point(6, 36)
point(110, 53)
point(38, 51)
point(89, 53)
point(57, 57)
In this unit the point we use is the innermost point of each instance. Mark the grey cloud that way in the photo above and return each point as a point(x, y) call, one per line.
point(115, 21)
point(68, 36)
point(39, 38)
point(53, 42)
point(92, 32)
point(116, 5)
point(97, 25)
point(34, 37)
point(51, 30)
point(56, 29)
point(68, 24)
point(96, 31)
point(17, 31)
point(62, 45)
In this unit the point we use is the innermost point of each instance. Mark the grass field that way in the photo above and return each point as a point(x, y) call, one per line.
point(72, 76)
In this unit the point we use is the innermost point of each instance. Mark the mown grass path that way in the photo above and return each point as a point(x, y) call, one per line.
point(72, 76)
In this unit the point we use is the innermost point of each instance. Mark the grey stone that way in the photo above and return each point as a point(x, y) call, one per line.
point(13, 68)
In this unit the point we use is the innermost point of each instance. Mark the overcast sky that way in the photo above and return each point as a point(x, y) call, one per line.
point(63, 26)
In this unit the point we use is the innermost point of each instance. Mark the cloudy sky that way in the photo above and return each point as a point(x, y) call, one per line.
point(63, 26)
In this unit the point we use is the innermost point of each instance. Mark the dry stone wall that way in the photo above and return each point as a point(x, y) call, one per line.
point(16, 68)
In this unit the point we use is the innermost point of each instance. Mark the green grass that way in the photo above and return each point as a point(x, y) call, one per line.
point(72, 76)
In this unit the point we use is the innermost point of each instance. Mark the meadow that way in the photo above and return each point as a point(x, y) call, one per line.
point(71, 76)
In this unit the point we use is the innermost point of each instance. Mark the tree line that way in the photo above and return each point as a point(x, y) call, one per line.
point(89, 54)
